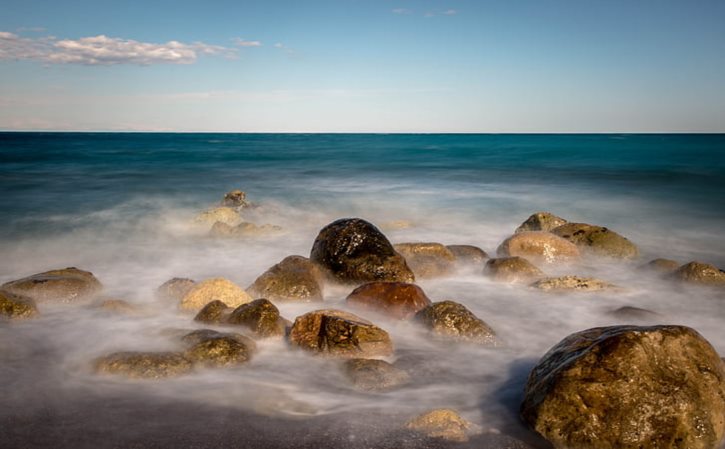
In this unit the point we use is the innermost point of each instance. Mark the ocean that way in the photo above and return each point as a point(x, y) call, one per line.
point(122, 206)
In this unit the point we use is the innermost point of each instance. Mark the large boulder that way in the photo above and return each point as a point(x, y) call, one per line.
point(260, 317)
point(354, 251)
point(293, 279)
point(217, 349)
point(65, 285)
point(175, 289)
point(16, 306)
point(628, 387)
point(597, 240)
point(512, 269)
point(427, 260)
point(539, 247)
point(395, 299)
point(468, 256)
point(700, 273)
point(444, 423)
point(144, 365)
point(572, 283)
point(339, 334)
point(374, 375)
point(541, 221)
point(661, 266)
point(450, 320)
point(214, 289)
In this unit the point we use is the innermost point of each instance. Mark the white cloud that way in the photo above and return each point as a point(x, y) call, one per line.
point(245, 43)
point(401, 11)
point(103, 50)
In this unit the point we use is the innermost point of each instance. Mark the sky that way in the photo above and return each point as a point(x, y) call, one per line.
point(507, 66)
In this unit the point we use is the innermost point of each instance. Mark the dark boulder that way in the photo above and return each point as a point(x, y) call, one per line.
point(260, 317)
point(215, 312)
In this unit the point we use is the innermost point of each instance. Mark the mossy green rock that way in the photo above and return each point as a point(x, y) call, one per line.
point(64, 285)
point(598, 240)
point(15, 306)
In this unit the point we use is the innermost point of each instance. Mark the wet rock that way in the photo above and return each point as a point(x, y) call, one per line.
point(396, 225)
point(374, 375)
point(293, 279)
point(197, 336)
point(540, 247)
point(354, 251)
point(66, 285)
point(215, 312)
point(245, 229)
point(217, 349)
point(444, 423)
point(174, 289)
point(453, 321)
point(214, 289)
point(512, 269)
point(541, 221)
point(634, 314)
point(700, 273)
point(468, 256)
point(662, 266)
point(16, 306)
point(144, 365)
point(118, 306)
point(427, 260)
point(235, 199)
point(339, 334)
point(628, 387)
point(572, 283)
point(226, 215)
point(260, 316)
point(597, 240)
point(395, 299)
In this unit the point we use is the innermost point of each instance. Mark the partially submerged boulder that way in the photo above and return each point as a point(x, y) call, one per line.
point(700, 273)
point(374, 375)
point(662, 266)
point(631, 313)
point(398, 300)
point(260, 316)
point(118, 306)
point(217, 349)
point(427, 260)
point(444, 423)
point(214, 289)
point(468, 256)
point(226, 215)
point(175, 289)
point(540, 221)
point(144, 365)
point(450, 320)
point(339, 334)
point(244, 229)
point(354, 251)
point(65, 285)
point(293, 279)
point(598, 240)
point(539, 246)
point(572, 283)
point(16, 306)
point(215, 312)
point(512, 269)
point(628, 387)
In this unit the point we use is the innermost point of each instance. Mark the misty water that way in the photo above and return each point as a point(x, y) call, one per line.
point(122, 207)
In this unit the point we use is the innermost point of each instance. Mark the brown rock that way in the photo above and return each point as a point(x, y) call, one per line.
point(16, 306)
point(215, 312)
point(512, 269)
point(662, 266)
point(214, 289)
point(216, 349)
point(427, 260)
point(66, 285)
point(293, 279)
point(630, 313)
point(700, 273)
point(572, 283)
point(118, 306)
point(541, 221)
point(539, 246)
point(144, 365)
point(175, 289)
point(597, 240)
point(340, 334)
point(374, 375)
point(354, 251)
point(394, 299)
point(194, 337)
point(453, 321)
point(628, 387)
point(260, 316)
point(226, 215)
point(235, 199)
point(444, 423)
point(468, 256)
point(241, 230)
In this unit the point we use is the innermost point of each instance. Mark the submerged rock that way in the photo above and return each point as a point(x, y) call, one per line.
point(374, 375)
point(630, 313)
point(245, 229)
point(175, 289)
point(395, 299)
point(572, 283)
point(118, 306)
point(628, 387)
point(427, 260)
point(293, 279)
point(700, 273)
point(598, 240)
point(444, 423)
point(215, 312)
point(16, 306)
point(512, 269)
point(260, 316)
point(468, 256)
point(663, 266)
point(226, 215)
point(539, 246)
point(540, 221)
point(144, 365)
point(65, 285)
point(396, 225)
point(453, 321)
point(235, 199)
point(340, 334)
point(354, 251)
point(217, 349)
point(214, 289)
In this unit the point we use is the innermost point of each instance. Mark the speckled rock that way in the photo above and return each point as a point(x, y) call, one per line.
point(444, 423)
point(294, 279)
point(339, 334)
point(374, 375)
point(214, 289)
point(700, 273)
point(65, 285)
point(541, 221)
point(539, 247)
point(468, 256)
point(512, 269)
point(662, 266)
point(260, 317)
point(235, 199)
point(217, 349)
point(427, 260)
point(572, 283)
point(354, 251)
point(226, 215)
point(144, 365)
point(398, 300)
point(450, 320)
point(628, 387)
point(215, 312)
point(597, 240)
point(16, 306)
point(174, 289)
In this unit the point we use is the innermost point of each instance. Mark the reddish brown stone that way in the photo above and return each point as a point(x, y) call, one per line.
point(394, 299)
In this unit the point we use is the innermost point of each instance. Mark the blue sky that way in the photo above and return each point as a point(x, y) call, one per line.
point(363, 65)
